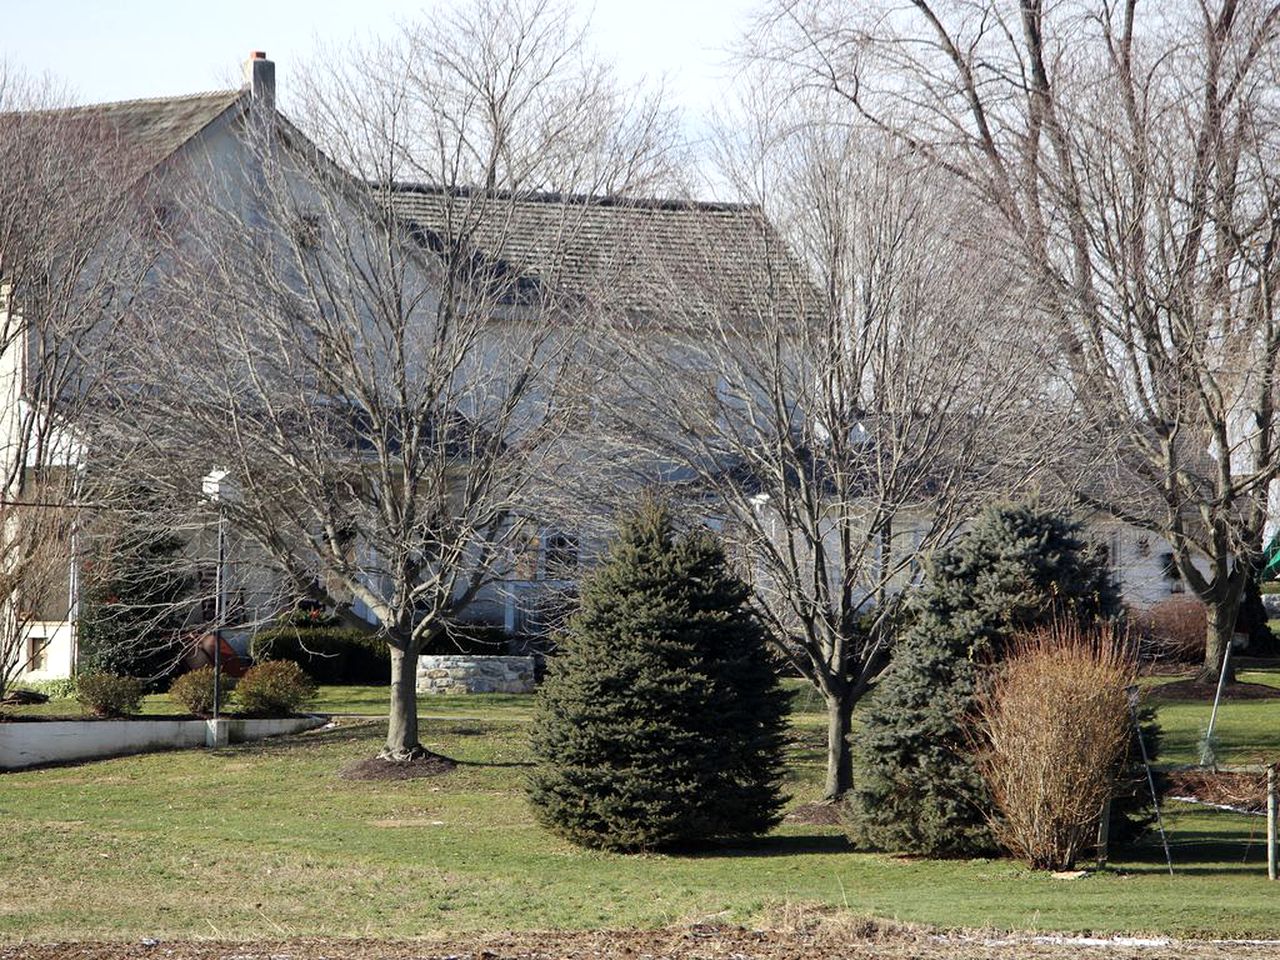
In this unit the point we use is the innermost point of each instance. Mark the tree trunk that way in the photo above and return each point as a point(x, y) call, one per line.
point(402, 725)
point(1221, 628)
point(839, 752)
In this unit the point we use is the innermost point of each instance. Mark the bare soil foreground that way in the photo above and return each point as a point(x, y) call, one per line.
point(861, 941)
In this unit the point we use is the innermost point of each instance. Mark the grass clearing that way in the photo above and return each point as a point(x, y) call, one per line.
point(266, 840)
point(358, 700)
point(1247, 731)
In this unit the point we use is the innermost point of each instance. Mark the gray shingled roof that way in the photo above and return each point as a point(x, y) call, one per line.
point(146, 132)
point(646, 258)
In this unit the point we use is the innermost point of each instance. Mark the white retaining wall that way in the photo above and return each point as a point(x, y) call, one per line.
point(29, 743)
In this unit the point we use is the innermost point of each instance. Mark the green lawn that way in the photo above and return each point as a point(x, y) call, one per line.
point(360, 700)
point(266, 840)
point(371, 701)
point(1247, 731)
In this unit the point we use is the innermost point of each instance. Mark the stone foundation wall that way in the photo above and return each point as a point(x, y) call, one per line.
point(458, 674)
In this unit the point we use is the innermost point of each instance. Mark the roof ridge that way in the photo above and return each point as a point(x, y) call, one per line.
point(230, 94)
point(585, 199)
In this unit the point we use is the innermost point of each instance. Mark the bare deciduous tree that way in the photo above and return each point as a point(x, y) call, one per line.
point(383, 379)
point(67, 263)
point(841, 396)
point(1129, 151)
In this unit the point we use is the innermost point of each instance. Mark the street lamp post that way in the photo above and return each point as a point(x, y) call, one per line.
point(218, 489)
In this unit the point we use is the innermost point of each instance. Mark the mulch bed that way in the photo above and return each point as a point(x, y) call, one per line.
point(1244, 791)
point(851, 940)
point(431, 765)
point(814, 814)
point(1194, 690)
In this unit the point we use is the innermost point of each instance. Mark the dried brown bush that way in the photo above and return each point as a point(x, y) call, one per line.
point(1173, 629)
point(1055, 724)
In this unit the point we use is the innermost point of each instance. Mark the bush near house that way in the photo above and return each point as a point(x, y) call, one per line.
point(916, 788)
point(1255, 623)
point(56, 688)
point(469, 639)
point(661, 723)
point(274, 687)
point(194, 690)
point(327, 650)
point(109, 695)
point(1172, 629)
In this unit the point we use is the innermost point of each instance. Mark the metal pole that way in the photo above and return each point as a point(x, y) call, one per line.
point(1222, 679)
point(1151, 780)
point(219, 610)
point(1104, 833)
point(1271, 821)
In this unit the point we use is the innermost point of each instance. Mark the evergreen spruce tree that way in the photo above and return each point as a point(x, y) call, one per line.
point(661, 722)
point(915, 788)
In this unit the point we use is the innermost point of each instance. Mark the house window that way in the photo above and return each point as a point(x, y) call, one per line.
point(328, 356)
point(37, 653)
point(207, 585)
point(159, 221)
point(1169, 569)
point(561, 556)
point(551, 555)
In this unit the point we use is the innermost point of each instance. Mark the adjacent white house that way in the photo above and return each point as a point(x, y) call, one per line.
point(626, 258)
point(155, 146)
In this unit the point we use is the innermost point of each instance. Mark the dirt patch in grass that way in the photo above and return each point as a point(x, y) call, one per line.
point(1244, 791)
point(814, 814)
point(865, 940)
point(1193, 690)
point(419, 768)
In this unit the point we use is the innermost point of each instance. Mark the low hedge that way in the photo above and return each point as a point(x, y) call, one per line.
point(58, 688)
point(194, 690)
point(273, 688)
point(109, 695)
point(469, 639)
point(328, 653)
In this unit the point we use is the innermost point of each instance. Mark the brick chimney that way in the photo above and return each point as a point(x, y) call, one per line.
point(260, 80)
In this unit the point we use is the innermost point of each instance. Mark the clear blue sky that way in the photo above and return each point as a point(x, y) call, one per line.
point(107, 50)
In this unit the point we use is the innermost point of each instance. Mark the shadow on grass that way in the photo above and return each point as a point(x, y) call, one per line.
point(779, 845)
point(494, 763)
point(1198, 853)
point(308, 740)
point(1192, 869)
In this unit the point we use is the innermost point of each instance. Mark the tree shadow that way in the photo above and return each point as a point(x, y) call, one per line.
point(302, 741)
point(497, 764)
point(778, 845)
point(1197, 853)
